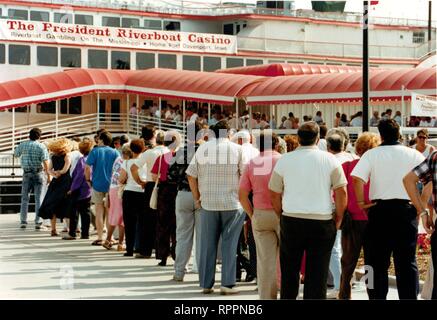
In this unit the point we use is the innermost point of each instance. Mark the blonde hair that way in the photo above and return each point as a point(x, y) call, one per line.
point(126, 151)
point(60, 146)
point(74, 145)
point(85, 146)
point(366, 141)
point(292, 142)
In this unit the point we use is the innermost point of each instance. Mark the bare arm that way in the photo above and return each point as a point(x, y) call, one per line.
point(194, 186)
point(46, 165)
point(244, 200)
point(134, 170)
point(419, 202)
point(276, 199)
point(88, 175)
point(123, 177)
point(340, 205)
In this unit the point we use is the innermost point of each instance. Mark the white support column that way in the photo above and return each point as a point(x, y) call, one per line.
point(160, 112)
point(209, 112)
point(404, 109)
point(98, 112)
point(184, 125)
point(128, 112)
point(57, 118)
point(138, 115)
point(250, 119)
point(271, 113)
point(13, 129)
point(236, 113)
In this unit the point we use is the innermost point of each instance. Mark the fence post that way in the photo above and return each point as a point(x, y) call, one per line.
point(57, 118)
point(128, 113)
point(138, 115)
point(160, 112)
point(98, 112)
point(13, 129)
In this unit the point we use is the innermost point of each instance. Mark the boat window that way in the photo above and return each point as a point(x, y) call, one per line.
point(167, 61)
point(153, 24)
point(2, 53)
point(19, 54)
point(110, 22)
point(130, 23)
point(228, 28)
point(84, 19)
point(234, 62)
point(18, 14)
point(75, 105)
point(145, 60)
point(71, 58)
point(47, 56)
point(98, 59)
point(63, 17)
point(253, 62)
point(418, 37)
point(191, 63)
point(212, 63)
point(46, 107)
point(23, 109)
point(172, 25)
point(71, 105)
point(39, 16)
point(120, 60)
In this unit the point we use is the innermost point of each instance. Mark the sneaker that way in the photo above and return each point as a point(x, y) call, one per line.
point(178, 278)
point(23, 226)
point(141, 256)
point(227, 291)
point(128, 254)
point(207, 290)
point(332, 295)
point(40, 227)
point(68, 237)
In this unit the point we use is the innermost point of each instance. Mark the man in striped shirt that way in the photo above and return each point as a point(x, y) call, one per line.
point(35, 163)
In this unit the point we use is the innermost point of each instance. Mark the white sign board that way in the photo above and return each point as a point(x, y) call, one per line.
point(84, 35)
point(423, 106)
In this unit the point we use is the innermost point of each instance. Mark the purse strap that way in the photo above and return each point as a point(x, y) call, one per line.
point(159, 170)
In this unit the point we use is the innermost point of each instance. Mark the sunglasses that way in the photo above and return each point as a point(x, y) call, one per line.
point(422, 137)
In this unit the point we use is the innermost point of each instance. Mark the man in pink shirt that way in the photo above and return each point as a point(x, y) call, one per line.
point(265, 222)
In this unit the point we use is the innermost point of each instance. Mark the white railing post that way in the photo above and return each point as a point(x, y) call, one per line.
point(236, 113)
point(57, 118)
point(160, 112)
point(404, 109)
point(138, 116)
point(209, 112)
point(128, 113)
point(98, 112)
point(183, 118)
point(13, 129)
point(250, 118)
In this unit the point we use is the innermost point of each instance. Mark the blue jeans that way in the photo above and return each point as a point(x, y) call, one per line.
point(31, 180)
point(214, 224)
point(335, 262)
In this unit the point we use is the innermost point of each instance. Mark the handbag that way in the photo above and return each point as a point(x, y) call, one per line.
point(153, 204)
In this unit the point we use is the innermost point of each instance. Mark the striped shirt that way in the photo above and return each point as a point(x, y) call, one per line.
point(218, 165)
point(32, 154)
point(427, 171)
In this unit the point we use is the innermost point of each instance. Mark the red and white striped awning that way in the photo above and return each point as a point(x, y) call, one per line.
point(341, 87)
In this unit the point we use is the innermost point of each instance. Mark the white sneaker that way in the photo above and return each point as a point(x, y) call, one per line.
point(332, 295)
point(227, 291)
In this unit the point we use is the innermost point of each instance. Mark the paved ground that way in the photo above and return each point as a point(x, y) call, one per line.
point(34, 265)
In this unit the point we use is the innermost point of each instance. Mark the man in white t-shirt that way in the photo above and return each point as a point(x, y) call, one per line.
point(392, 226)
point(301, 191)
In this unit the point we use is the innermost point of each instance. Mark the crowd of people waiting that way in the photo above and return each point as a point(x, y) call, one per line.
point(305, 205)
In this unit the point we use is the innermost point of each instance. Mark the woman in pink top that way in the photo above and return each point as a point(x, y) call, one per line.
point(355, 220)
point(265, 223)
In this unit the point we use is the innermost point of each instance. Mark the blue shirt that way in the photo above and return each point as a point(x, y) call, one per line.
point(101, 159)
point(32, 154)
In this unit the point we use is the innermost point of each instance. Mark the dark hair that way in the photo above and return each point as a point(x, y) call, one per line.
point(290, 115)
point(148, 132)
point(308, 133)
point(35, 134)
point(267, 141)
point(124, 139)
point(318, 113)
point(114, 140)
point(106, 137)
point(323, 131)
point(137, 146)
point(77, 139)
point(389, 130)
point(343, 117)
point(220, 127)
point(335, 143)
point(424, 132)
point(99, 131)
